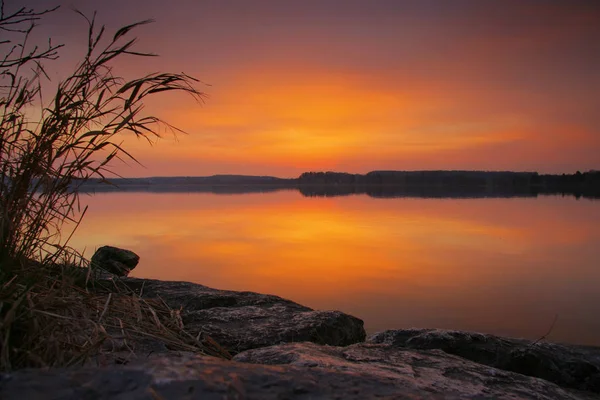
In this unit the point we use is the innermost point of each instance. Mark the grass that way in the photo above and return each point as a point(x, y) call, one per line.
point(61, 319)
point(78, 135)
point(53, 311)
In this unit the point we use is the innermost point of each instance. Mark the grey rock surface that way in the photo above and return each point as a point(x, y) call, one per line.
point(568, 366)
point(426, 371)
point(296, 371)
point(240, 321)
point(115, 260)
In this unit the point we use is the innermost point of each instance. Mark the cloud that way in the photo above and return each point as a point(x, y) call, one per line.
point(331, 84)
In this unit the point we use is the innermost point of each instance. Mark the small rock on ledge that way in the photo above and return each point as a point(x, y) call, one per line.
point(115, 260)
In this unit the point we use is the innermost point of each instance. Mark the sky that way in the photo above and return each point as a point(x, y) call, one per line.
point(355, 86)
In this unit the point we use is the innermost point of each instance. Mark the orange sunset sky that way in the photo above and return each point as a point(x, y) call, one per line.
point(361, 85)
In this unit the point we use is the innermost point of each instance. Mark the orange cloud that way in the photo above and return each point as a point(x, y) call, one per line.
point(321, 121)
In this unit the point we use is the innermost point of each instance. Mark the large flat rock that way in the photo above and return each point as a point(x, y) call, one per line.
point(240, 321)
point(566, 365)
point(295, 371)
point(428, 373)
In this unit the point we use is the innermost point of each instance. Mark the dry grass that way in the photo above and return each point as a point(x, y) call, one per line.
point(51, 320)
point(50, 315)
point(50, 147)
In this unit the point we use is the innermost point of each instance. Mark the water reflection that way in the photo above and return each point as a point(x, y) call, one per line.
point(334, 190)
point(504, 266)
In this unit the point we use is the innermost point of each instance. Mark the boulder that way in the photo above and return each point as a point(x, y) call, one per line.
point(240, 321)
point(566, 365)
point(295, 371)
point(115, 260)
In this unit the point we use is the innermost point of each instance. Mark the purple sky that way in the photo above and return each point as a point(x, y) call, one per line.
point(362, 85)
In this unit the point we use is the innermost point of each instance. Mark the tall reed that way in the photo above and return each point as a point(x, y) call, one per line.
point(45, 159)
point(50, 314)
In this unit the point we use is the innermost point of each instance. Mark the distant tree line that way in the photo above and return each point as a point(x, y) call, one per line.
point(455, 184)
point(460, 178)
point(450, 183)
point(450, 178)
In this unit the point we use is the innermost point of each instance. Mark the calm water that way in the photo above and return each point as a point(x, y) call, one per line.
point(504, 266)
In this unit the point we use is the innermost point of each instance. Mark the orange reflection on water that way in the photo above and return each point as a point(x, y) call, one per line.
point(498, 265)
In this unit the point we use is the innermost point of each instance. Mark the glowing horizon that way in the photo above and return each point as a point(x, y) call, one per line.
point(355, 87)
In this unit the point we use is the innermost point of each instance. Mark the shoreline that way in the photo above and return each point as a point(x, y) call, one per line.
point(457, 184)
point(317, 353)
point(335, 190)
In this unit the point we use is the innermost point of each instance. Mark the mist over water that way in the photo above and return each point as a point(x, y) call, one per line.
point(498, 265)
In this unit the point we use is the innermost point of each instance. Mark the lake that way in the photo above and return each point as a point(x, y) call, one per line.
point(506, 266)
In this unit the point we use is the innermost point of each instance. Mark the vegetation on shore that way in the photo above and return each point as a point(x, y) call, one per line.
point(53, 309)
point(376, 183)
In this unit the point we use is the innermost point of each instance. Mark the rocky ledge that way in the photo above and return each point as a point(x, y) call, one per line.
point(569, 366)
point(289, 371)
point(240, 321)
point(285, 350)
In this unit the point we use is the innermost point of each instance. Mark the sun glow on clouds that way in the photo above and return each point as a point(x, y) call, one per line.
point(327, 121)
point(310, 86)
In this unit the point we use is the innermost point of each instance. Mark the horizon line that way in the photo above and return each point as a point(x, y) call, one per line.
point(351, 173)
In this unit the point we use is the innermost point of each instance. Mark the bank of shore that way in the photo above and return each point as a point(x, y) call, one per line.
point(281, 349)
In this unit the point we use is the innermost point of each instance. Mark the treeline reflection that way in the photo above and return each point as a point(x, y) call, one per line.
point(377, 184)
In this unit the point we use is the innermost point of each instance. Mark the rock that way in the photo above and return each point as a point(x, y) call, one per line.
point(296, 371)
point(428, 372)
point(568, 366)
point(240, 321)
point(115, 260)
point(193, 377)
